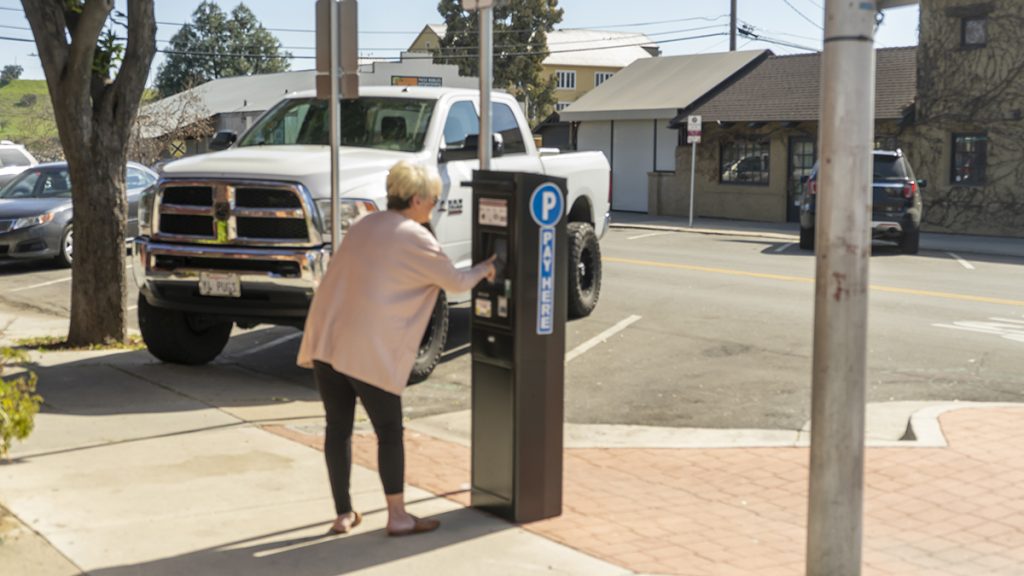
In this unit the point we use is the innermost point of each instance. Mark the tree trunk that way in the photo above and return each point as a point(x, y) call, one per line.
point(99, 285)
point(94, 114)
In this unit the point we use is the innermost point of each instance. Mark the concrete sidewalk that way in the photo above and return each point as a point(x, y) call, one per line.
point(143, 468)
point(960, 244)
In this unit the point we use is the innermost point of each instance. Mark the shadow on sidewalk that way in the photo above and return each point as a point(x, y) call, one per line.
point(285, 552)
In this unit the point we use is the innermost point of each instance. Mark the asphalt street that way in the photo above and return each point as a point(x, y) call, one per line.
point(709, 331)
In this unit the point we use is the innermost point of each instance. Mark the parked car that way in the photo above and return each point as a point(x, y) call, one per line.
point(14, 159)
point(897, 206)
point(35, 211)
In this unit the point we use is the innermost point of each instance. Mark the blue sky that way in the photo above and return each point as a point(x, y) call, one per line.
point(386, 26)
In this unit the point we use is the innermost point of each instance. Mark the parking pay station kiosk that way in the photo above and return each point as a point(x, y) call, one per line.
point(518, 345)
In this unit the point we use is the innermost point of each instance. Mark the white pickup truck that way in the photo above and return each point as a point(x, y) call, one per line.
point(242, 235)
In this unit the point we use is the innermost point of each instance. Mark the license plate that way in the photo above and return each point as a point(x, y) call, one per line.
point(222, 284)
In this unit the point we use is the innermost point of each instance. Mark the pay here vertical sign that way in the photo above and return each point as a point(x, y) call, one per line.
point(546, 207)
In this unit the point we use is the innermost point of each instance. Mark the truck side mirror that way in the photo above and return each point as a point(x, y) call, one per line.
point(223, 140)
point(471, 149)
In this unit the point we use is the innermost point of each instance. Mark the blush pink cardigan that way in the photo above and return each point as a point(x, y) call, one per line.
point(372, 307)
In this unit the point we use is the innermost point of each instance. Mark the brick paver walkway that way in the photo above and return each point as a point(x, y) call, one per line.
point(703, 512)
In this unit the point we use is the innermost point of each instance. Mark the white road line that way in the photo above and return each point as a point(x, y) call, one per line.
point(130, 308)
point(22, 289)
point(648, 235)
point(962, 262)
point(783, 248)
point(600, 338)
point(268, 345)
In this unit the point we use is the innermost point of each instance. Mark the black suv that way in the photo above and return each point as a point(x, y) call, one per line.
point(896, 203)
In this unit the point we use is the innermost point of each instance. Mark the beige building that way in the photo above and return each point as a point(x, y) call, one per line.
point(760, 136)
point(579, 60)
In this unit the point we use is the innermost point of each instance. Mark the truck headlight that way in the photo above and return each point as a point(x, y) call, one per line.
point(351, 210)
point(32, 221)
point(146, 211)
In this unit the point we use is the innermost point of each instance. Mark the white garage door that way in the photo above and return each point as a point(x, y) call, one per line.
point(633, 147)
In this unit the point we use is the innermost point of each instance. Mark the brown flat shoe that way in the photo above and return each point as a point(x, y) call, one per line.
point(419, 526)
point(355, 522)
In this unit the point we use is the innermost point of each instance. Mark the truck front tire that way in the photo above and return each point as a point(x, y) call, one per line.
point(179, 337)
point(432, 345)
point(584, 269)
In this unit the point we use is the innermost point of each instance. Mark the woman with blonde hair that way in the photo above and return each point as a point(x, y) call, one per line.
point(364, 328)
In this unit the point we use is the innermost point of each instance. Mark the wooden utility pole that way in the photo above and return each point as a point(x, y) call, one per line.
point(732, 27)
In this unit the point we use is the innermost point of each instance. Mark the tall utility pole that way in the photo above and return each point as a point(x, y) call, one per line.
point(732, 27)
point(843, 242)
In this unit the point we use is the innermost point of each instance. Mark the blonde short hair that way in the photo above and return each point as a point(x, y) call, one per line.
point(408, 179)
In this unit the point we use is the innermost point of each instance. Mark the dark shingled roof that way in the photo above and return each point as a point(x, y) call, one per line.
point(787, 88)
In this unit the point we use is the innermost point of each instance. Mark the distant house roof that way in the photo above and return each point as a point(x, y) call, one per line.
point(660, 87)
point(788, 88)
point(249, 93)
point(597, 48)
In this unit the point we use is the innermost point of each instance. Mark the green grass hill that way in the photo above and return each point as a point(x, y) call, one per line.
point(26, 117)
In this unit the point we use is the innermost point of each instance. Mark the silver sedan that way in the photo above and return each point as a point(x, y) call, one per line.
point(36, 217)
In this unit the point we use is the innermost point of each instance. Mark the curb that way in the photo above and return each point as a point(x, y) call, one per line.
point(923, 430)
point(708, 231)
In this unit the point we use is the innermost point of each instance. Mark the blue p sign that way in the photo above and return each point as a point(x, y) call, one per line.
point(547, 205)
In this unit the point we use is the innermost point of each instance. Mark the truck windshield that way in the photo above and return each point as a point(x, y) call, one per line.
point(382, 123)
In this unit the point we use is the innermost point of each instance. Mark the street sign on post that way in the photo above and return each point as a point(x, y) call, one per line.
point(346, 39)
point(693, 127)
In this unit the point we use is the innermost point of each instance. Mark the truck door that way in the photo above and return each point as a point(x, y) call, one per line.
point(453, 214)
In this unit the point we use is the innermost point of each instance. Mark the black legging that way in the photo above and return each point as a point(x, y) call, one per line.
point(339, 393)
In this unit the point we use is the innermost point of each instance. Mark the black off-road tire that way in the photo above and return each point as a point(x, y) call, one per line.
point(67, 247)
point(806, 238)
point(179, 337)
point(432, 345)
point(911, 241)
point(584, 269)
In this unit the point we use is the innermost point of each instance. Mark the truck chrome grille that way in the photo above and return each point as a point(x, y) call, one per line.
point(235, 213)
point(186, 225)
point(264, 198)
point(189, 195)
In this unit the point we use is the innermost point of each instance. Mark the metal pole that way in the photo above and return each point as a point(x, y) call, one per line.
point(335, 131)
point(732, 27)
point(486, 67)
point(843, 243)
point(693, 172)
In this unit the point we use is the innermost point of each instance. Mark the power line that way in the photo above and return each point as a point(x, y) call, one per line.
point(655, 23)
point(802, 15)
point(781, 33)
point(452, 57)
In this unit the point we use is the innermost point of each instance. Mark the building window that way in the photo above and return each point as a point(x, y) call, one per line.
point(886, 142)
point(970, 155)
point(974, 32)
point(561, 106)
point(745, 162)
point(566, 79)
point(600, 77)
